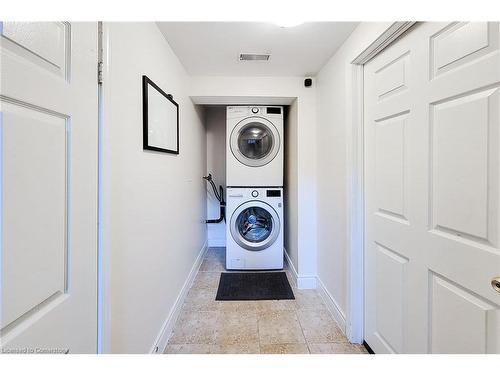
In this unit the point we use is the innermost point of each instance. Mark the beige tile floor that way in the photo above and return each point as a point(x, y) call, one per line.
point(299, 326)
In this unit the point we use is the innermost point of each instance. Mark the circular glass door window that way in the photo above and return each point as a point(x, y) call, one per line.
point(254, 224)
point(255, 140)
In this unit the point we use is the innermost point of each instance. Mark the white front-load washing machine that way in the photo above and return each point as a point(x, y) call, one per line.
point(254, 139)
point(254, 229)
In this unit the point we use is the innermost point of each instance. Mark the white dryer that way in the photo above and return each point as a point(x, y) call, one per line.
point(254, 229)
point(254, 139)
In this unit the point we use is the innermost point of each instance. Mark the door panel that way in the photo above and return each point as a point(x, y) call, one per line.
point(49, 187)
point(390, 179)
point(45, 44)
point(473, 319)
point(460, 131)
point(432, 110)
point(391, 78)
point(391, 281)
point(35, 255)
point(459, 43)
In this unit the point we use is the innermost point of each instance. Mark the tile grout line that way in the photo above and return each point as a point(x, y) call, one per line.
point(302, 330)
point(258, 332)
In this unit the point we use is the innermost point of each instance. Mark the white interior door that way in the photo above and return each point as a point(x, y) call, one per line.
point(49, 187)
point(432, 175)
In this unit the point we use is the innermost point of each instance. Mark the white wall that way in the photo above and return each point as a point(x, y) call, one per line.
point(154, 203)
point(291, 184)
point(334, 88)
point(283, 87)
point(215, 124)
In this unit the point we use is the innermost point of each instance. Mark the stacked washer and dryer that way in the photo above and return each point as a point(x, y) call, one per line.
point(254, 179)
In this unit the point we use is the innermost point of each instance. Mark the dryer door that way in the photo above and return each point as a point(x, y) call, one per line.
point(255, 225)
point(255, 141)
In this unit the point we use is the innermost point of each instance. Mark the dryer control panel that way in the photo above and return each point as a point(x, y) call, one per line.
point(247, 111)
point(273, 193)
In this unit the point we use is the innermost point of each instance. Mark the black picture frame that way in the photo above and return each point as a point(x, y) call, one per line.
point(146, 82)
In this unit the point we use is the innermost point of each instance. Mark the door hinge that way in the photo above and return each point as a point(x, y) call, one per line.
point(99, 72)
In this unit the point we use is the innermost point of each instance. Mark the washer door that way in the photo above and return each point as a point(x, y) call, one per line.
point(255, 225)
point(255, 141)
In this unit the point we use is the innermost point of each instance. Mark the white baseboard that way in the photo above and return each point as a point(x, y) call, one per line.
point(291, 267)
point(216, 242)
point(167, 327)
point(301, 281)
point(332, 306)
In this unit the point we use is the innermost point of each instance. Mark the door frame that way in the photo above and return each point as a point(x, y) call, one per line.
point(355, 290)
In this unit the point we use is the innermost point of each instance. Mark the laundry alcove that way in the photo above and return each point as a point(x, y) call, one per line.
point(215, 126)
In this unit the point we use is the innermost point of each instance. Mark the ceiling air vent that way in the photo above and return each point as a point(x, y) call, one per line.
point(255, 56)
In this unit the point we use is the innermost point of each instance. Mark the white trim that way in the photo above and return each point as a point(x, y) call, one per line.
point(104, 214)
point(243, 100)
point(332, 306)
point(300, 281)
point(160, 343)
point(354, 317)
point(100, 256)
point(355, 216)
point(291, 267)
point(387, 37)
point(217, 242)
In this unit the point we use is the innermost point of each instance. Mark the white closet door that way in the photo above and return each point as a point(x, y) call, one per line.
point(432, 175)
point(49, 187)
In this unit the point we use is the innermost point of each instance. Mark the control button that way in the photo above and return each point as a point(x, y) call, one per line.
point(255, 110)
point(255, 193)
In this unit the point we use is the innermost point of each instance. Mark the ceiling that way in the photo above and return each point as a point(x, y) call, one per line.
point(213, 48)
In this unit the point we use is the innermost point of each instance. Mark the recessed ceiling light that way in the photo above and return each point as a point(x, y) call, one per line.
point(288, 23)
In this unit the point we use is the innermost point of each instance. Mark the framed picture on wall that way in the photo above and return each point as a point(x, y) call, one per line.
point(160, 117)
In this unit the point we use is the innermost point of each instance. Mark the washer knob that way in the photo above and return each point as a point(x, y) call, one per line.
point(255, 110)
point(255, 193)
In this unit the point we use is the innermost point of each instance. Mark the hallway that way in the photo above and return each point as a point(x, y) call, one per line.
point(151, 172)
point(299, 326)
